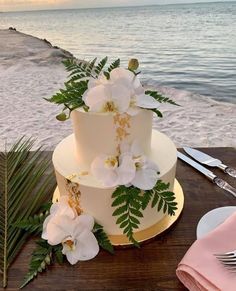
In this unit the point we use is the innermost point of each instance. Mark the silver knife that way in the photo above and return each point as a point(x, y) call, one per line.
point(209, 161)
point(209, 174)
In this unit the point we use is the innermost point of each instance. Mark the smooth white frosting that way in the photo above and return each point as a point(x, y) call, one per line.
point(95, 198)
point(98, 133)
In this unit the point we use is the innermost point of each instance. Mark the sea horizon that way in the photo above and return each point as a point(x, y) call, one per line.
point(185, 46)
point(118, 7)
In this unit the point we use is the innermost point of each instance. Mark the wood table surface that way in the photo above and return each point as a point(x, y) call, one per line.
point(153, 266)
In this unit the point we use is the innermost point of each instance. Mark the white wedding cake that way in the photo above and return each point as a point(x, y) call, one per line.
point(99, 133)
point(115, 174)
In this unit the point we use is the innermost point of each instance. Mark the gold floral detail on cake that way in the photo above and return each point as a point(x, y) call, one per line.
point(122, 122)
point(74, 195)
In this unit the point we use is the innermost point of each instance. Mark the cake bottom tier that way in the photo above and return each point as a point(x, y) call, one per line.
point(94, 198)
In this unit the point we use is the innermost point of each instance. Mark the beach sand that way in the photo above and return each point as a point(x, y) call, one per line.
point(31, 69)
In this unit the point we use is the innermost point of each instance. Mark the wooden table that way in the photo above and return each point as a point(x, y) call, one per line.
point(153, 266)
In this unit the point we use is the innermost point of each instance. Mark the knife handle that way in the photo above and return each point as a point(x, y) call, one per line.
point(224, 185)
point(231, 172)
point(228, 170)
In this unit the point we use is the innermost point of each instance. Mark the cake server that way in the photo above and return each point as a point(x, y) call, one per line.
point(209, 174)
point(209, 161)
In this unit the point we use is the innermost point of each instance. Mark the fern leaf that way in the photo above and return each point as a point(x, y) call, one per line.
point(114, 65)
point(34, 224)
point(102, 238)
point(128, 201)
point(41, 258)
point(98, 69)
point(164, 199)
point(160, 98)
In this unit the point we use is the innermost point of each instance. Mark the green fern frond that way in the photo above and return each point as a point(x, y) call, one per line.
point(114, 65)
point(98, 69)
point(41, 258)
point(161, 198)
point(23, 188)
point(128, 201)
point(102, 238)
point(34, 224)
point(160, 98)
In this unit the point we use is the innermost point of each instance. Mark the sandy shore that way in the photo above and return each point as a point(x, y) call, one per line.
point(31, 69)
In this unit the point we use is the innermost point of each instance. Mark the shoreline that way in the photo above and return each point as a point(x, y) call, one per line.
point(31, 69)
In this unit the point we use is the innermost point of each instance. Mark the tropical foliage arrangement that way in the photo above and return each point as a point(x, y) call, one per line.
point(105, 88)
point(63, 232)
point(62, 228)
point(24, 187)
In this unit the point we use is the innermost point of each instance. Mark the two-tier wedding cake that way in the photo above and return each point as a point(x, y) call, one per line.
point(114, 169)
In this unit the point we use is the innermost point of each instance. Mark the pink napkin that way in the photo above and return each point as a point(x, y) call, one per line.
point(199, 269)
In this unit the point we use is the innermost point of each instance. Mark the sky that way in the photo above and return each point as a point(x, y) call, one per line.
point(17, 5)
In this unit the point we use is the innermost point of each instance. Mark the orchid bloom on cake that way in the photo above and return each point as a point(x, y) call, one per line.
point(132, 167)
point(72, 231)
point(113, 171)
point(122, 93)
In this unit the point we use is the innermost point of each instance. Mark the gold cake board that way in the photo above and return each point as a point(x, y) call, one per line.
point(152, 231)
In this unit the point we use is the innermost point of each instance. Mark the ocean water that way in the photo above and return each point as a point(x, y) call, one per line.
point(190, 47)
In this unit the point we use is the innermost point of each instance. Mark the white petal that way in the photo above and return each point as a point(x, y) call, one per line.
point(151, 165)
point(126, 170)
point(45, 223)
point(96, 97)
point(122, 75)
point(138, 88)
point(62, 208)
point(83, 222)
point(145, 179)
point(146, 101)
point(121, 97)
point(106, 175)
point(58, 228)
point(86, 247)
point(133, 110)
point(92, 83)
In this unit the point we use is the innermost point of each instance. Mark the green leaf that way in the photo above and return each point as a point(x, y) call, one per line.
point(57, 252)
point(102, 238)
point(33, 224)
point(160, 98)
point(26, 181)
point(41, 258)
point(119, 200)
point(129, 212)
point(100, 66)
point(163, 199)
point(120, 210)
point(114, 65)
point(136, 212)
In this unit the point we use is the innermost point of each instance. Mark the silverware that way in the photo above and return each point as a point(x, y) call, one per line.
point(210, 175)
point(228, 259)
point(209, 161)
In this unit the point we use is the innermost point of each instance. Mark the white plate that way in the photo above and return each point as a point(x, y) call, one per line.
point(212, 219)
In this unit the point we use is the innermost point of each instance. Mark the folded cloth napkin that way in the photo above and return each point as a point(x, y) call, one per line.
point(200, 270)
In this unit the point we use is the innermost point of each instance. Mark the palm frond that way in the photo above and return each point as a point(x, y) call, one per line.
point(25, 183)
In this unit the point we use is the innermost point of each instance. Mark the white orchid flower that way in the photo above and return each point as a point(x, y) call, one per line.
point(145, 170)
point(60, 208)
point(123, 92)
point(138, 98)
point(107, 98)
point(113, 171)
point(76, 236)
